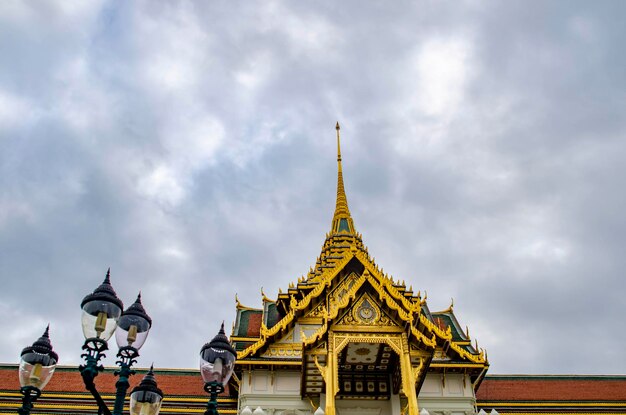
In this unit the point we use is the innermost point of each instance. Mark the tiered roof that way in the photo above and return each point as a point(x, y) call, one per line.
point(344, 253)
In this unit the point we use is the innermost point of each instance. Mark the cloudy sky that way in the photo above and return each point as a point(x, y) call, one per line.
point(190, 146)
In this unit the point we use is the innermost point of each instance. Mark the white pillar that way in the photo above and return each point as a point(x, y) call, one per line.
point(322, 401)
point(396, 408)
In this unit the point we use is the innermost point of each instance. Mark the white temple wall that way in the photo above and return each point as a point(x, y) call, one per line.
point(363, 407)
point(276, 392)
point(452, 395)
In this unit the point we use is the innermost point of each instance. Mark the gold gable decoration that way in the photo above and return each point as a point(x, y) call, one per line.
point(366, 312)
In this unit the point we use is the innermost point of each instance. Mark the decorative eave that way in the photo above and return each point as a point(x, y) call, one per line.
point(391, 293)
point(458, 346)
point(408, 309)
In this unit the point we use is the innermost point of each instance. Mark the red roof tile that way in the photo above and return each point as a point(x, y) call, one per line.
point(552, 388)
point(254, 324)
point(67, 380)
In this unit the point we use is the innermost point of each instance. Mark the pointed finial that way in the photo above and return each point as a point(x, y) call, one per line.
point(42, 346)
point(342, 221)
point(338, 144)
point(137, 309)
point(104, 292)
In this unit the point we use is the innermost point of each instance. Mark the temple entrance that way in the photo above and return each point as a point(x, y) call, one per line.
point(368, 371)
point(369, 379)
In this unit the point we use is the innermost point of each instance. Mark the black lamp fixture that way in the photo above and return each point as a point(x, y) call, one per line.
point(103, 316)
point(37, 366)
point(146, 398)
point(217, 362)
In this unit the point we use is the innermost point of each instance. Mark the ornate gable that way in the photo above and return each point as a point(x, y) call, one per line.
point(366, 313)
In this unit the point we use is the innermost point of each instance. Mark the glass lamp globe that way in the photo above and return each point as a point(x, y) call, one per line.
point(38, 362)
point(133, 326)
point(101, 310)
point(217, 359)
point(146, 398)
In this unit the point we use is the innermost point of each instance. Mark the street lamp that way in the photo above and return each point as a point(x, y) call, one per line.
point(146, 398)
point(217, 362)
point(37, 365)
point(102, 316)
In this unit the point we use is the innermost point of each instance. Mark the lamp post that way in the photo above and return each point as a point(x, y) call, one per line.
point(102, 316)
point(217, 362)
point(37, 365)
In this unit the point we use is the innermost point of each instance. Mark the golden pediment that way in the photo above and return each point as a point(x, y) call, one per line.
point(366, 312)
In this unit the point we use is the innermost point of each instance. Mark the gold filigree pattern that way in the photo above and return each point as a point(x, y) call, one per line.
point(344, 287)
point(284, 351)
point(317, 335)
point(366, 312)
point(318, 311)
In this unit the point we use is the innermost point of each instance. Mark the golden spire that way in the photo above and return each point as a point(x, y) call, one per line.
point(342, 221)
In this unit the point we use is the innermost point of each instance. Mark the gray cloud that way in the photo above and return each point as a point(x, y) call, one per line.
point(190, 147)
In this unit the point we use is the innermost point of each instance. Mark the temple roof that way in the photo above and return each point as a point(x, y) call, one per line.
point(552, 394)
point(255, 329)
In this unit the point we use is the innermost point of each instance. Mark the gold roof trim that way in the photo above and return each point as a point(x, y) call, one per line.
point(265, 298)
point(388, 283)
point(295, 305)
point(384, 286)
point(240, 306)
